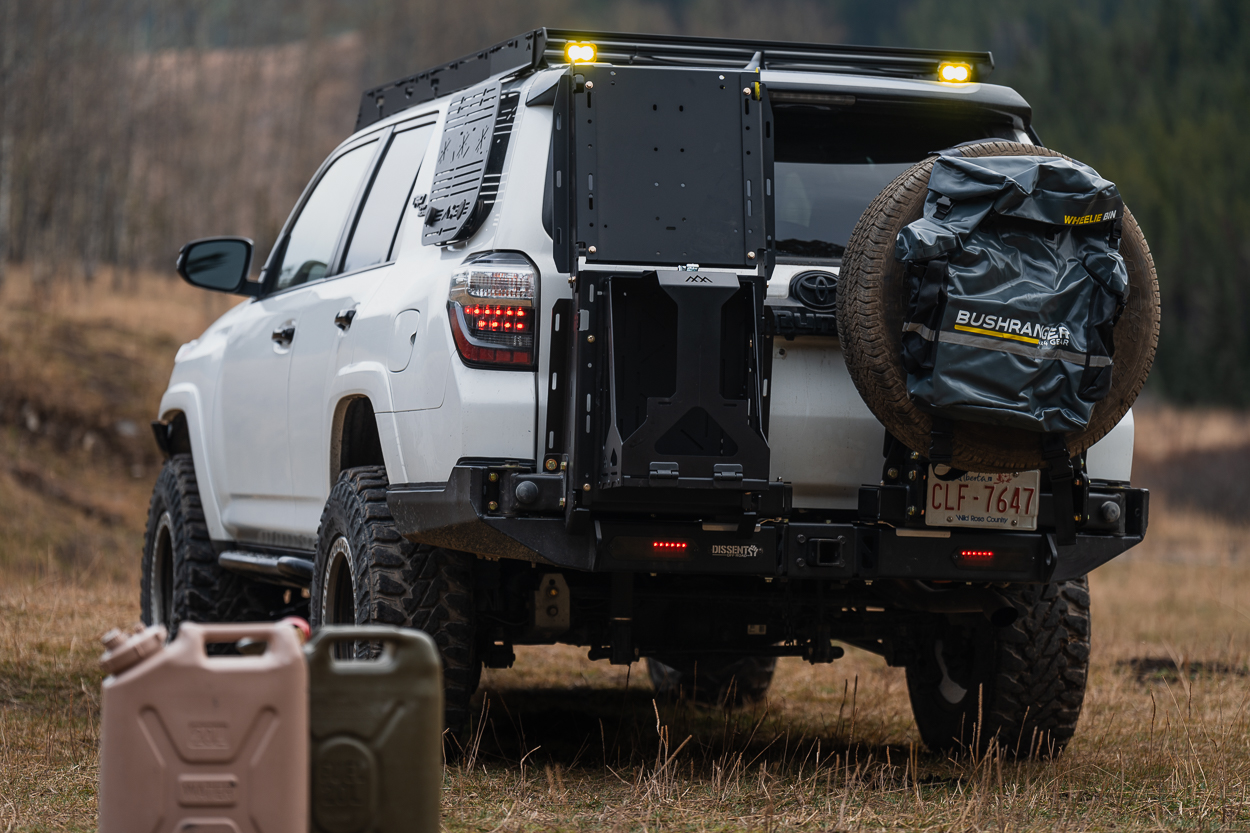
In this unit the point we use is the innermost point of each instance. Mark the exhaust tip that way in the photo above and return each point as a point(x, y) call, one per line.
point(1003, 616)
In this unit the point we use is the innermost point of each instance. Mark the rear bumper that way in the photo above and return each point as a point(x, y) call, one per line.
point(807, 544)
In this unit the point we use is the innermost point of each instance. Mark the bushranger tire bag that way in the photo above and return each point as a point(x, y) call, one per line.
point(873, 299)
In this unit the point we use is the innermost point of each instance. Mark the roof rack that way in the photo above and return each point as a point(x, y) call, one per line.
point(545, 47)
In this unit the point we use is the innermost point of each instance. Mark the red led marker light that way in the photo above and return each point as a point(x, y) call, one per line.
point(669, 546)
point(976, 555)
point(497, 319)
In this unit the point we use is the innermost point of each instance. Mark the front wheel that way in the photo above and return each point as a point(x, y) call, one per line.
point(366, 573)
point(1020, 687)
point(181, 580)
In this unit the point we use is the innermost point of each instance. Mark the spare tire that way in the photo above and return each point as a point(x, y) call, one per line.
point(872, 303)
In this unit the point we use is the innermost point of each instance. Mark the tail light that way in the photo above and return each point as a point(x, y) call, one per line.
point(983, 558)
point(491, 306)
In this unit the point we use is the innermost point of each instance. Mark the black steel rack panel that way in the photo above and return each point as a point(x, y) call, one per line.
point(734, 53)
point(545, 47)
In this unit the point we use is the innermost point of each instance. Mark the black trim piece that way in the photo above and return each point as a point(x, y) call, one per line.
point(555, 436)
point(161, 431)
point(563, 168)
point(545, 97)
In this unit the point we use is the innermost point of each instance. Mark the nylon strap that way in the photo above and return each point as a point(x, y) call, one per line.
point(941, 442)
point(1055, 453)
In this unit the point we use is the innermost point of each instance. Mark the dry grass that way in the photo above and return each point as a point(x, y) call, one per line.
point(82, 369)
point(569, 744)
point(835, 748)
point(1165, 431)
point(49, 699)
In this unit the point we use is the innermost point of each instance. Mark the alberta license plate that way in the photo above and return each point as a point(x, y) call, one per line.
point(988, 501)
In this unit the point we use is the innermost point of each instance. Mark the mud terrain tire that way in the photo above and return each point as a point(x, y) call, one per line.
point(872, 301)
point(181, 581)
point(711, 681)
point(367, 573)
point(1020, 686)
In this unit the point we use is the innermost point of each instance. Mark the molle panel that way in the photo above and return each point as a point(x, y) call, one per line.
point(669, 381)
point(672, 166)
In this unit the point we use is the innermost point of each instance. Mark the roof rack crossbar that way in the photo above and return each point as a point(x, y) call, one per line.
point(545, 47)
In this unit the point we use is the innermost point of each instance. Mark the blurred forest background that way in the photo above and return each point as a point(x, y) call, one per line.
point(130, 126)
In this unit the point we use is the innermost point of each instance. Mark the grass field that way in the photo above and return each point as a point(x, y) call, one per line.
point(564, 743)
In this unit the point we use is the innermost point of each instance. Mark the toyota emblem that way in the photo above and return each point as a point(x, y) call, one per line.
point(818, 291)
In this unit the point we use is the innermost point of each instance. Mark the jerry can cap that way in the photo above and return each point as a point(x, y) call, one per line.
point(126, 648)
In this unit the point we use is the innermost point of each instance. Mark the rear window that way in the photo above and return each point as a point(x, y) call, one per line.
point(834, 154)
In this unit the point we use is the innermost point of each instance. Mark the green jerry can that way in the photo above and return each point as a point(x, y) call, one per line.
point(376, 731)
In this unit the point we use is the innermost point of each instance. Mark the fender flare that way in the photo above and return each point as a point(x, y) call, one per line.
point(184, 398)
point(367, 380)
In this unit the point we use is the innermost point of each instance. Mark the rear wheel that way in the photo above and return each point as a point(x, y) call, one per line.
point(713, 681)
point(181, 580)
point(1020, 687)
point(366, 573)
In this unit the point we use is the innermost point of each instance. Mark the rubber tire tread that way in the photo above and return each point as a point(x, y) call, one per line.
point(406, 584)
point(1030, 680)
point(713, 682)
point(872, 300)
point(202, 590)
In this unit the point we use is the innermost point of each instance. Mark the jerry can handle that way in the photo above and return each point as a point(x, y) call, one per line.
point(282, 640)
point(404, 647)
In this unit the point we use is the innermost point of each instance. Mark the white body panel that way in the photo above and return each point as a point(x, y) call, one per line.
point(323, 372)
point(1111, 458)
point(822, 436)
point(262, 417)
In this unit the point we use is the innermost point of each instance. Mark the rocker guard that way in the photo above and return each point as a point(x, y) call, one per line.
point(450, 515)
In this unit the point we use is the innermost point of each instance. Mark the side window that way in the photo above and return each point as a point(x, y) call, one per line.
point(373, 241)
point(310, 244)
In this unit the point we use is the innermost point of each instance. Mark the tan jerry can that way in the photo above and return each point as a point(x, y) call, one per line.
point(210, 744)
point(377, 732)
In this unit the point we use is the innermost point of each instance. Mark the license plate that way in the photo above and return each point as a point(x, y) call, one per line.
point(986, 501)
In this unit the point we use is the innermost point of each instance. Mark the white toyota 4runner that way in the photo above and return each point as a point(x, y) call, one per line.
point(547, 352)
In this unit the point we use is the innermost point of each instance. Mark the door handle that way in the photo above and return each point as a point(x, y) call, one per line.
point(344, 319)
point(284, 335)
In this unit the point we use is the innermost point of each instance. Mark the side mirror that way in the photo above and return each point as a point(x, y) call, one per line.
point(218, 263)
